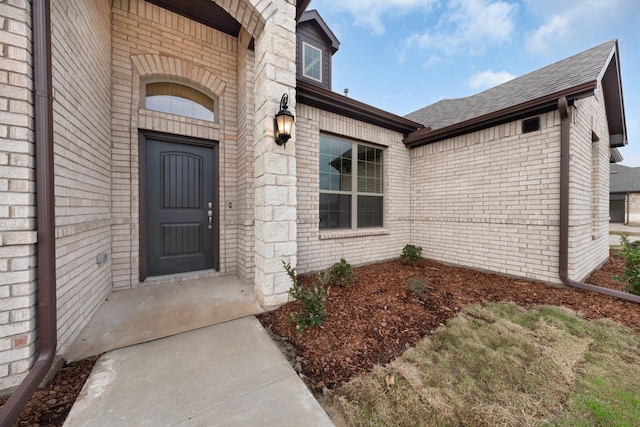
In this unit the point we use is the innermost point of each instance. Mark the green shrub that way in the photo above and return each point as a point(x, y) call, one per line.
point(418, 285)
point(411, 253)
point(631, 275)
point(313, 298)
point(342, 274)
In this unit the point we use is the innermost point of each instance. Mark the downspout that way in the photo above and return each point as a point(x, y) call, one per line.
point(563, 109)
point(47, 322)
point(627, 203)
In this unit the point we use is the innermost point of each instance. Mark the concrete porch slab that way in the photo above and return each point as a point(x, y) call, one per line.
point(230, 374)
point(148, 313)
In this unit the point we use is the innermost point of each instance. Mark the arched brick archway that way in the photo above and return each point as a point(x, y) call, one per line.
point(252, 15)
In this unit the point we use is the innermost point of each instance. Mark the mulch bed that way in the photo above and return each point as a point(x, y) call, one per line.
point(374, 321)
point(50, 405)
point(378, 318)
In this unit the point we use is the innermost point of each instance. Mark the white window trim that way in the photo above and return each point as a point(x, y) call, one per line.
point(143, 98)
point(304, 65)
point(356, 231)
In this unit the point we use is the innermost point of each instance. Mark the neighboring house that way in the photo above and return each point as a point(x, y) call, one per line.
point(163, 163)
point(624, 194)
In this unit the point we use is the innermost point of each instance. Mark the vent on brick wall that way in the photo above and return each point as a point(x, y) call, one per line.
point(531, 125)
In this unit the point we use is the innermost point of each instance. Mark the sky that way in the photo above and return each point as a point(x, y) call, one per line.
point(402, 55)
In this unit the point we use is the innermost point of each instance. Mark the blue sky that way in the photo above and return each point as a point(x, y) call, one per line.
point(401, 55)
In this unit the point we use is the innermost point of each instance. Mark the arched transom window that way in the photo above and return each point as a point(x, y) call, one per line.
point(178, 99)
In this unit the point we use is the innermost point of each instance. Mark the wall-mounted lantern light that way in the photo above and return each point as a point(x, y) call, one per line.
point(283, 122)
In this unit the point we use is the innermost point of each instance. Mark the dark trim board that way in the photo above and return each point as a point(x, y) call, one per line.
point(143, 136)
point(204, 11)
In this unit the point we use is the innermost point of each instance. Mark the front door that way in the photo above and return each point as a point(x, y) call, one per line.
point(181, 207)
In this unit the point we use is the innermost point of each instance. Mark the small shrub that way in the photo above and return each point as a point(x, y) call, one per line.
point(411, 253)
point(631, 275)
point(418, 285)
point(313, 298)
point(342, 274)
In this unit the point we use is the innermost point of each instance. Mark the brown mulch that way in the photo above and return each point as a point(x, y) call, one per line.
point(50, 405)
point(378, 318)
point(374, 321)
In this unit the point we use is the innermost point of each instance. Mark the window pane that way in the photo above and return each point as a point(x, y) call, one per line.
point(335, 211)
point(335, 164)
point(370, 211)
point(312, 62)
point(174, 98)
point(370, 169)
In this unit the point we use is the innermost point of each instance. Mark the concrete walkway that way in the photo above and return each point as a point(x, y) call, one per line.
point(156, 311)
point(616, 230)
point(230, 374)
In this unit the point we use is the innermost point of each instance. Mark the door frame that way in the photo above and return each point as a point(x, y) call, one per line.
point(143, 135)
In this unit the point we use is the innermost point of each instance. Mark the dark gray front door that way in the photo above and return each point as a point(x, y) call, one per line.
point(180, 190)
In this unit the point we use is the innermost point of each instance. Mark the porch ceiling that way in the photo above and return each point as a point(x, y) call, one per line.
point(207, 12)
point(204, 11)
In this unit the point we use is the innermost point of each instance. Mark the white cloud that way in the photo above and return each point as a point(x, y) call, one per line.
point(554, 29)
point(488, 79)
point(368, 13)
point(565, 23)
point(431, 61)
point(469, 27)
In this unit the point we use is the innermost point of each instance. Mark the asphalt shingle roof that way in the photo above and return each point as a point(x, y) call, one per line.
point(624, 179)
point(579, 69)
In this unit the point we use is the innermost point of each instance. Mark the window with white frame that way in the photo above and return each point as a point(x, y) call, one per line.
point(178, 99)
point(351, 186)
point(311, 62)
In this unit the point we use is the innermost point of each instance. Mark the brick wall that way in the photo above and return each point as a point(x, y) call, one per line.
point(151, 42)
point(81, 58)
point(82, 116)
point(319, 249)
point(246, 174)
point(633, 201)
point(589, 188)
point(17, 186)
point(490, 199)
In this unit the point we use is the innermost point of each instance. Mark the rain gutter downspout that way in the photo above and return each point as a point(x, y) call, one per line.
point(43, 120)
point(563, 109)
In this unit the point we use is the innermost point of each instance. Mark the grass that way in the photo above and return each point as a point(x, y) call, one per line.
point(501, 364)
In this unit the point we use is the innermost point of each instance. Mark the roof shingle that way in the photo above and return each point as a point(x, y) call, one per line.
point(624, 179)
point(576, 70)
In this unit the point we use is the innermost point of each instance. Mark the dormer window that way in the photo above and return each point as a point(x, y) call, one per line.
point(178, 99)
point(312, 62)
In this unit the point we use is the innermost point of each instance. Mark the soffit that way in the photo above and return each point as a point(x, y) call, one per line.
point(204, 11)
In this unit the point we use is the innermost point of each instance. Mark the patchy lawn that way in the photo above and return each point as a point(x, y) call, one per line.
point(502, 364)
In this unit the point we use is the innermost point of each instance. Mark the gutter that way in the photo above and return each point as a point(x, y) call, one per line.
point(45, 210)
point(563, 109)
point(315, 96)
point(514, 112)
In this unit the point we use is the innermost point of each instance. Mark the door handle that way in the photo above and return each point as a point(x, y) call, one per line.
point(210, 214)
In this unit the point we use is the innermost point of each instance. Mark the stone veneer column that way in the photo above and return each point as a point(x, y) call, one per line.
point(275, 166)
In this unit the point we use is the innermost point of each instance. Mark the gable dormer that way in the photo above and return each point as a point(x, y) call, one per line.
point(315, 46)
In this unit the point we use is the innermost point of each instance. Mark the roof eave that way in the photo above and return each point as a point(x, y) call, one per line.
point(535, 106)
point(615, 156)
point(301, 6)
point(315, 96)
point(613, 99)
point(313, 15)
